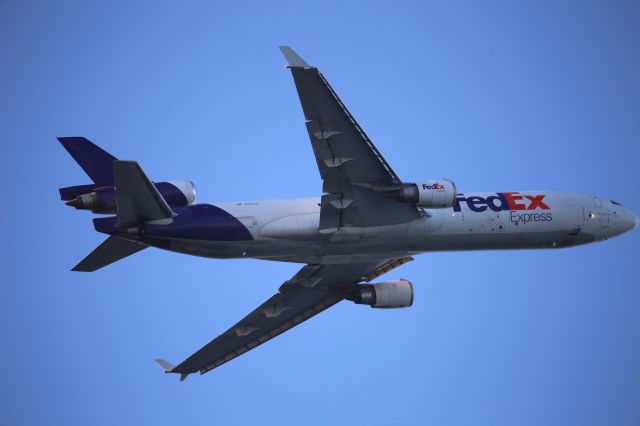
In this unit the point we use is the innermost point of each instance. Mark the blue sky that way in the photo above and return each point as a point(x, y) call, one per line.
point(497, 96)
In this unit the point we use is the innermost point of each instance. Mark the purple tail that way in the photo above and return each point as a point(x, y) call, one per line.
point(96, 162)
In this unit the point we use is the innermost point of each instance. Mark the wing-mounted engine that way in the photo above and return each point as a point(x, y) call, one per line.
point(390, 294)
point(102, 199)
point(432, 194)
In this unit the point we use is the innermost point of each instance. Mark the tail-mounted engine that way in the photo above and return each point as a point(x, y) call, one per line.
point(103, 199)
point(390, 294)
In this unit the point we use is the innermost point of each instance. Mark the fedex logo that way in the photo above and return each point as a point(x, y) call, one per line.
point(434, 186)
point(501, 201)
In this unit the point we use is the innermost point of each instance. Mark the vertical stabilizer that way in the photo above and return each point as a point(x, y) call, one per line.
point(95, 161)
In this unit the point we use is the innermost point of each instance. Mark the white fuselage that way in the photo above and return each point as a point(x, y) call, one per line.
point(288, 230)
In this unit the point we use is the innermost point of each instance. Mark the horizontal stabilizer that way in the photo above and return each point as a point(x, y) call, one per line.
point(137, 198)
point(95, 161)
point(111, 250)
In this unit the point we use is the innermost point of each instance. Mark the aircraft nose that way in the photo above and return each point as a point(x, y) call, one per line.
point(629, 221)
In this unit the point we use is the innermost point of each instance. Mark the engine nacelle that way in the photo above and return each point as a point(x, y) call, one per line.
point(433, 194)
point(390, 294)
point(102, 200)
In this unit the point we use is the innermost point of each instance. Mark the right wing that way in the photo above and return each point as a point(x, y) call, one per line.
point(350, 165)
point(312, 290)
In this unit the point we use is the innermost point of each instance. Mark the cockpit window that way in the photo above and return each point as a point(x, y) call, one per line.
point(616, 203)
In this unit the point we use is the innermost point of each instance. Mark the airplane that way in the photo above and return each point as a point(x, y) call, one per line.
point(366, 223)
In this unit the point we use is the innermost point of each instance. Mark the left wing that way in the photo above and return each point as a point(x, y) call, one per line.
point(312, 290)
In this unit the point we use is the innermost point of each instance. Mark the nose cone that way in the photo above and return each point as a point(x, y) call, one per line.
point(629, 220)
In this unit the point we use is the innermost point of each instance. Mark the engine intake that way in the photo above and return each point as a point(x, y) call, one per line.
point(390, 294)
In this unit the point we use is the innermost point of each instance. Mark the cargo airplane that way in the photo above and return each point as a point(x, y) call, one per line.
point(366, 223)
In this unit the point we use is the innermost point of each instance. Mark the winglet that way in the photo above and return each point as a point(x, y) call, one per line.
point(293, 59)
point(166, 365)
point(168, 368)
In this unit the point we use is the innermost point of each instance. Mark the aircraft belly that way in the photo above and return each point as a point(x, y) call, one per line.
point(494, 241)
point(318, 252)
